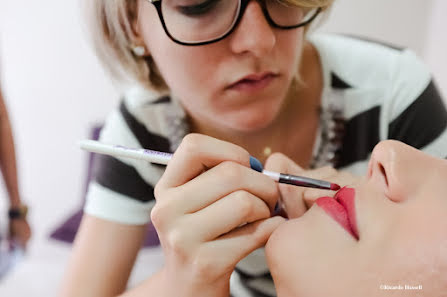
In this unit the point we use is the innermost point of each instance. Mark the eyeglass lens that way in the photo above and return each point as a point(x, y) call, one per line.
point(204, 20)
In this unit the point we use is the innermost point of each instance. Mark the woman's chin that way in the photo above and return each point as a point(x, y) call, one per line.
point(249, 122)
point(248, 127)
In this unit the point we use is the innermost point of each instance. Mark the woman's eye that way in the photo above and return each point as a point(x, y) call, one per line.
point(198, 9)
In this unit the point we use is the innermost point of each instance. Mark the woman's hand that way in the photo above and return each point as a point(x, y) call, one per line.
point(212, 210)
point(295, 201)
point(19, 231)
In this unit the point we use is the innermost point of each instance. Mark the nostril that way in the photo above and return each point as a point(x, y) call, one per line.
point(370, 167)
point(383, 172)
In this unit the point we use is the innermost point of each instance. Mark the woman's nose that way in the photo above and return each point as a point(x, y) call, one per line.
point(393, 169)
point(253, 34)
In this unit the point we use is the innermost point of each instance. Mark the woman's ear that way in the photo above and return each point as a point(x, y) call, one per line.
point(138, 46)
point(139, 50)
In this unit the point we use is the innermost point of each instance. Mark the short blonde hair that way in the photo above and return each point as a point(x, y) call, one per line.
point(112, 26)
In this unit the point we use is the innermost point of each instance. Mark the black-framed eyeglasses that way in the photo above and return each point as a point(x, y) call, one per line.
point(199, 22)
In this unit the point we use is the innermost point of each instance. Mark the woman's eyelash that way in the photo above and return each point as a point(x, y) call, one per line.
point(198, 9)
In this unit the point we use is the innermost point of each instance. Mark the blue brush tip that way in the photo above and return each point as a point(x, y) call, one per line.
point(255, 164)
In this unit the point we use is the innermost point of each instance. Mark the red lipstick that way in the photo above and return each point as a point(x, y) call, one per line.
point(346, 197)
point(342, 209)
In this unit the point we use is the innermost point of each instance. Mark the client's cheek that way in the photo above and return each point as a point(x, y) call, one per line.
point(277, 240)
point(288, 258)
point(283, 245)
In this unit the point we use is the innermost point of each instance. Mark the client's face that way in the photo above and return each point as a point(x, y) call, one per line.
point(386, 231)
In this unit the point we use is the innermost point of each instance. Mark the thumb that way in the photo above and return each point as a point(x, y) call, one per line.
point(292, 197)
point(281, 163)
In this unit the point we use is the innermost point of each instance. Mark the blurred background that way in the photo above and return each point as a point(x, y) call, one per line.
point(56, 91)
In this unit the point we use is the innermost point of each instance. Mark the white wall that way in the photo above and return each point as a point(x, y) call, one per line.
point(436, 49)
point(55, 90)
point(419, 25)
point(400, 22)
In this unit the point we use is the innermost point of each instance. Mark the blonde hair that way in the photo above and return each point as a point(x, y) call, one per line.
point(112, 27)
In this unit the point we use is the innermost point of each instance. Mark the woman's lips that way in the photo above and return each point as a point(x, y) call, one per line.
point(342, 209)
point(254, 82)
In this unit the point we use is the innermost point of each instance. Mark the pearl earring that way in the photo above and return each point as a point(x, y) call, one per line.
point(139, 50)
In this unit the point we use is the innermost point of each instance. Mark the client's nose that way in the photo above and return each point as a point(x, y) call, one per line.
point(392, 167)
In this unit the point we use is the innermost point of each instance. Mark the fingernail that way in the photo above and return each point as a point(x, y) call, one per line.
point(255, 164)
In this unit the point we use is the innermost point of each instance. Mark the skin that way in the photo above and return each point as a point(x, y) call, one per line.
point(240, 197)
point(242, 53)
point(247, 119)
point(400, 211)
point(208, 178)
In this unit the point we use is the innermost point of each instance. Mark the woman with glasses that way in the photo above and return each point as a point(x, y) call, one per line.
point(217, 81)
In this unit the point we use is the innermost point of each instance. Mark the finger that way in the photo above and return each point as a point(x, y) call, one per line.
point(310, 195)
point(278, 162)
point(209, 187)
point(220, 181)
point(227, 214)
point(342, 178)
point(321, 173)
point(293, 199)
point(196, 154)
point(237, 244)
point(281, 163)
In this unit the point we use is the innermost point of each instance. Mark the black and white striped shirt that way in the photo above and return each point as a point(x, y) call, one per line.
point(382, 93)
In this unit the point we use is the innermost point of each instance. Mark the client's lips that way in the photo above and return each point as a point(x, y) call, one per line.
point(342, 209)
